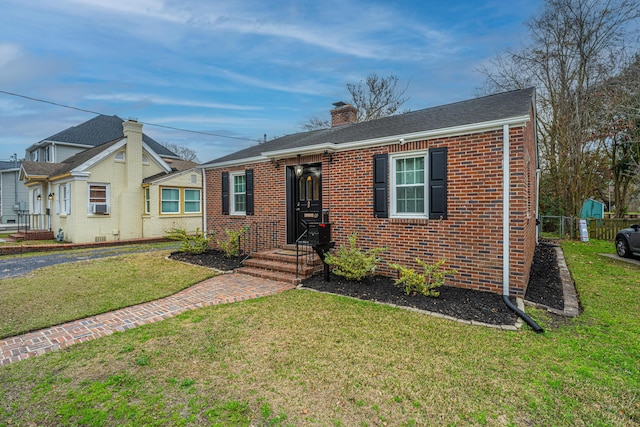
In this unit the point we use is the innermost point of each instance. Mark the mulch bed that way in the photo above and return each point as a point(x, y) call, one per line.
point(212, 258)
point(544, 287)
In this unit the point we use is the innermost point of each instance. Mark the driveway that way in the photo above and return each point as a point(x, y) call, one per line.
point(24, 264)
point(635, 260)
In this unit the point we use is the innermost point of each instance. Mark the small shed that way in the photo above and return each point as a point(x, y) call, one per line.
point(592, 209)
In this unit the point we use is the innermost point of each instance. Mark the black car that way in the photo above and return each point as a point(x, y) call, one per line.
point(628, 241)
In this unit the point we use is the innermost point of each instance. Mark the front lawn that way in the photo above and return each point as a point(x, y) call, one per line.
point(70, 291)
point(303, 358)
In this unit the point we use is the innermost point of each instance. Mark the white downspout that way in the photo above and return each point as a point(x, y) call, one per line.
point(506, 208)
point(204, 203)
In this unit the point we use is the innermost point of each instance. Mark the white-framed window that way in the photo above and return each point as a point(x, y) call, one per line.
point(47, 153)
point(170, 200)
point(191, 200)
point(99, 199)
point(238, 192)
point(147, 200)
point(120, 156)
point(145, 159)
point(34, 155)
point(63, 201)
point(409, 185)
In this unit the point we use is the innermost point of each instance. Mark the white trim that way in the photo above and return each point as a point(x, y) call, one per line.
point(162, 212)
point(506, 183)
point(232, 193)
point(175, 174)
point(107, 196)
point(375, 142)
point(392, 184)
point(312, 149)
point(164, 165)
point(244, 161)
point(185, 201)
point(99, 157)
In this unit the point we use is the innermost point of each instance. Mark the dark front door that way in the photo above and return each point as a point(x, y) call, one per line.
point(305, 200)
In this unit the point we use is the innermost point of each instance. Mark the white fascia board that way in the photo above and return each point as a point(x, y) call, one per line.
point(99, 157)
point(46, 142)
point(393, 139)
point(164, 165)
point(196, 169)
point(311, 149)
point(435, 133)
point(237, 162)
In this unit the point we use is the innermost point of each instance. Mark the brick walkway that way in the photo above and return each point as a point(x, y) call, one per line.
point(222, 289)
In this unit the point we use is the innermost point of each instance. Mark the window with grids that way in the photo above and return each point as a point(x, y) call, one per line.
point(408, 186)
point(239, 193)
point(191, 201)
point(170, 200)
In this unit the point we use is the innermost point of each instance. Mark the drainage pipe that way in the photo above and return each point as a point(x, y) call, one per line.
point(506, 260)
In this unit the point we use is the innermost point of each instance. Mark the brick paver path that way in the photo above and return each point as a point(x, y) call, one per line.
point(222, 289)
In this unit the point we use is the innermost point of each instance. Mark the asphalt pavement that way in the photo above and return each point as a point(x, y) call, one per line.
point(16, 266)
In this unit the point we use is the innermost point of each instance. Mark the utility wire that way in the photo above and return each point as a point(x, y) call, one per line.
point(145, 123)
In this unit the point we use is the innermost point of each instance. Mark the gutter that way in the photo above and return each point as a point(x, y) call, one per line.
point(506, 207)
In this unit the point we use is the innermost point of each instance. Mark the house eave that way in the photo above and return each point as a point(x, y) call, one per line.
point(235, 162)
point(435, 133)
point(329, 147)
point(304, 151)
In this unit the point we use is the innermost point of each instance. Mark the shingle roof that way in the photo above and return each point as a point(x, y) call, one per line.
point(8, 165)
point(103, 129)
point(485, 109)
point(53, 169)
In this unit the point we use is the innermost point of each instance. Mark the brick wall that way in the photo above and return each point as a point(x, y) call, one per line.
point(470, 239)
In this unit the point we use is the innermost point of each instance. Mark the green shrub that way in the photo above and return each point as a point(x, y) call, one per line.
point(196, 243)
point(425, 283)
point(352, 263)
point(231, 246)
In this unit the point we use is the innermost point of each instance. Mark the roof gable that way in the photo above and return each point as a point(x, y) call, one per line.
point(100, 130)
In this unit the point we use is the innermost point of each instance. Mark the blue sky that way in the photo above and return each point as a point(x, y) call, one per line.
point(234, 68)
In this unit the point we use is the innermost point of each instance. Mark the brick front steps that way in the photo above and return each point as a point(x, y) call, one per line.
point(33, 235)
point(280, 265)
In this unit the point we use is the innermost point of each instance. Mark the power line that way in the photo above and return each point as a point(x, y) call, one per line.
point(145, 123)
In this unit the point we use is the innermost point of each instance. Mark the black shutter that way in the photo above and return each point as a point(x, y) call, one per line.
point(380, 187)
point(249, 190)
point(438, 183)
point(225, 193)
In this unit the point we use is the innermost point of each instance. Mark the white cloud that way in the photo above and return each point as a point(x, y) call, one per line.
point(160, 100)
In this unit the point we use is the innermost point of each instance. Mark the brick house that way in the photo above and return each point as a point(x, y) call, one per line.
point(427, 184)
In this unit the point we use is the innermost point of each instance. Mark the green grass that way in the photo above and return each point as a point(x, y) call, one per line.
point(304, 358)
point(64, 292)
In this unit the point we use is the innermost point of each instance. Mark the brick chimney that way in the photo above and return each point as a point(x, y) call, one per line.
point(343, 114)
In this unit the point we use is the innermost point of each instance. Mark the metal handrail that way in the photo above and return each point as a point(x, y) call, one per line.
point(260, 236)
point(307, 254)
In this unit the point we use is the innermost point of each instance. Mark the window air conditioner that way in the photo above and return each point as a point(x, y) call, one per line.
point(99, 208)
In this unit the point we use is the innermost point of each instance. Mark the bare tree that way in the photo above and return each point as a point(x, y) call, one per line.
point(184, 153)
point(315, 123)
point(617, 127)
point(572, 43)
point(376, 97)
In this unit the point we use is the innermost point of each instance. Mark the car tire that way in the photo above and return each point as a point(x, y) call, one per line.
point(622, 248)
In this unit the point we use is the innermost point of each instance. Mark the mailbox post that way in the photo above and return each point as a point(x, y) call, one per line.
point(319, 235)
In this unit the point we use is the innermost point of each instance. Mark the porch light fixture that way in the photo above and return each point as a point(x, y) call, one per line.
point(50, 196)
point(298, 170)
point(38, 197)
